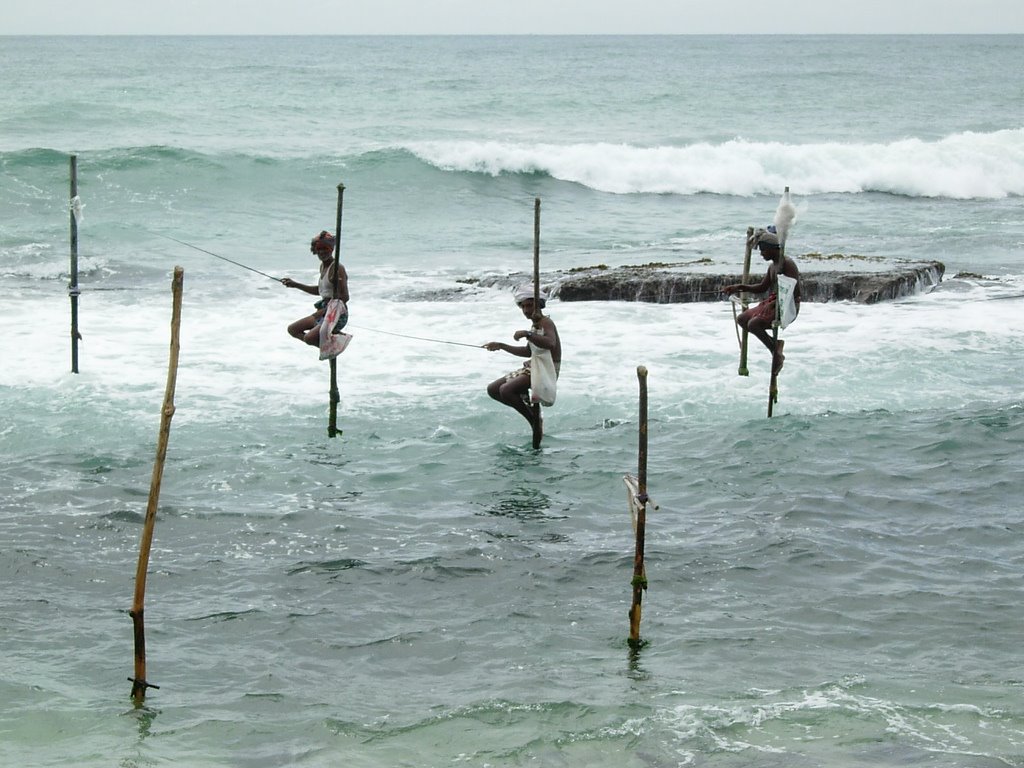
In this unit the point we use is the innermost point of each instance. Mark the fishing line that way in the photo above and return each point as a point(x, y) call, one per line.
point(418, 338)
point(224, 258)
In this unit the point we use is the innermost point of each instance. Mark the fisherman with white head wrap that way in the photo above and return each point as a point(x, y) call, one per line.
point(759, 320)
point(533, 385)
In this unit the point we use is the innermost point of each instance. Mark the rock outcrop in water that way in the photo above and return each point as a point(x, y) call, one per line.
point(677, 284)
point(671, 287)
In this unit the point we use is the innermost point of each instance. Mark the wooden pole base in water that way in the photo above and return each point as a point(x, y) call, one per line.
point(139, 683)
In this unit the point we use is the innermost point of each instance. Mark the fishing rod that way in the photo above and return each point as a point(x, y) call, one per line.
point(418, 338)
point(218, 256)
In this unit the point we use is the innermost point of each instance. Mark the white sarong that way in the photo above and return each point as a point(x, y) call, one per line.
point(333, 344)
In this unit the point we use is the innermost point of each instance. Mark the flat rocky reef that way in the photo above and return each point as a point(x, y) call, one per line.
point(835, 277)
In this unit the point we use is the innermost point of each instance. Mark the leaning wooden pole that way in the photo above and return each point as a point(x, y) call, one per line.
point(332, 422)
point(639, 572)
point(73, 291)
point(139, 682)
point(743, 370)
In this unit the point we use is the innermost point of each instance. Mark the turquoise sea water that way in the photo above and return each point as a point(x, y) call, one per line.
point(839, 585)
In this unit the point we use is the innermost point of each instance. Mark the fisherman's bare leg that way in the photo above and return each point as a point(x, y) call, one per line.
point(778, 359)
point(511, 393)
point(300, 328)
point(759, 328)
point(312, 336)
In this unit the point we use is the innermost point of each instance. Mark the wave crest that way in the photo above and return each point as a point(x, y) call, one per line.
point(960, 166)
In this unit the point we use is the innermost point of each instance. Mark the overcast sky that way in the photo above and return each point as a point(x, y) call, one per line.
point(404, 17)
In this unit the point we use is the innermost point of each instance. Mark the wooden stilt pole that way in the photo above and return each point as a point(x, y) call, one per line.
point(536, 258)
point(784, 216)
point(536, 282)
point(139, 682)
point(773, 382)
point(640, 525)
point(73, 291)
point(743, 370)
point(332, 423)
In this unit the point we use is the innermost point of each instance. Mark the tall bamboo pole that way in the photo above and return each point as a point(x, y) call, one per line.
point(536, 259)
point(332, 423)
point(743, 370)
point(639, 572)
point(73, 291)
point(139, 683)
point(536, 281)
point(773, 384)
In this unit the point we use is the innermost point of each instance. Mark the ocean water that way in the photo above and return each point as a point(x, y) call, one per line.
point(839, 585)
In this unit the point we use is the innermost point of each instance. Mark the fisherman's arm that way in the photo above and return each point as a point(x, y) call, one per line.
point(738, 287)
point(746, 287)
point(546, 340)
point(287, 282)
point(494, 346)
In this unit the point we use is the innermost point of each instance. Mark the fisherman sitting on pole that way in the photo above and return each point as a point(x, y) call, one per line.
point(307, 329)
point(759, 320)
point(528, 387)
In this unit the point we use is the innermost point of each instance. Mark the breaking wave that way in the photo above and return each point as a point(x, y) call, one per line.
point(960, 166)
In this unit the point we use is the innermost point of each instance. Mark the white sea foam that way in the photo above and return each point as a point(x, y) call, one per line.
point(964, 165)
point(950, 348)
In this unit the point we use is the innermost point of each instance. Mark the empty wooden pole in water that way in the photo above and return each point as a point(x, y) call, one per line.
point(639, 572)
point(73, 291)
point(139, 682)
point(332, 423)
point(743, 370)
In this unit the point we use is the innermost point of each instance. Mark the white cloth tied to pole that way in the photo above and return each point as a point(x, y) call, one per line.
point(76, 209)
point(333, 344)
point(543, 376)
point(786, 300)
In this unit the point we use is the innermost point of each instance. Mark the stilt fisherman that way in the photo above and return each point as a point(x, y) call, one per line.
point(760, 319)
point(333, 284)
point(532, 385)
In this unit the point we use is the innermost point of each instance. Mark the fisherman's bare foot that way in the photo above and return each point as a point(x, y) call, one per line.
point(537, 422)
point(778, 359)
